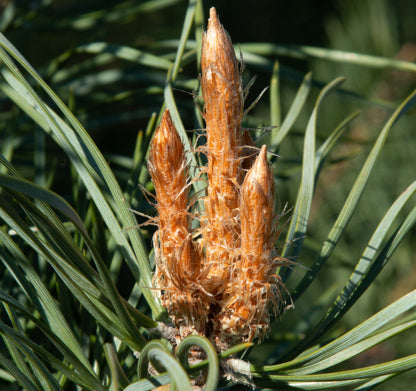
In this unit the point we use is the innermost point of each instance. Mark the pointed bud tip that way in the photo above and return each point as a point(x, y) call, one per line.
point(219, 66)
point(213, 21)
point(166, 143)
point(261, 163)
point(213, 14)
point(214, 29)
point(216, 35)
point(263, 154)
point(166, 118)
point(260, 173)
point(162, 132)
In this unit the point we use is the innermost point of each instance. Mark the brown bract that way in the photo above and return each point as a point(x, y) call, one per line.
point(222, 284)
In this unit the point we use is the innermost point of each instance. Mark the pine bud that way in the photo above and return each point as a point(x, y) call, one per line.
point(177, 261)
point(223, 111)
point(254, 289)
point(256, 214)
point(167, 167)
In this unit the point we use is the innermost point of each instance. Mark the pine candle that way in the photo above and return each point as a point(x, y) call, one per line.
point(221, 284)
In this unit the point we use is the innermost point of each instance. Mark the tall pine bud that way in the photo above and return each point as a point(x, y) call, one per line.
point(223, 111)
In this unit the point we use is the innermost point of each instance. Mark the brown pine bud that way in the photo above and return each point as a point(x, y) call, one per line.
point(167, 167)
point(177, 261)
point(256, 213)
point(223, 111)
point(255, 289)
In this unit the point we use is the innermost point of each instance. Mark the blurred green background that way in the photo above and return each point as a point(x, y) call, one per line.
point(114, 98)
